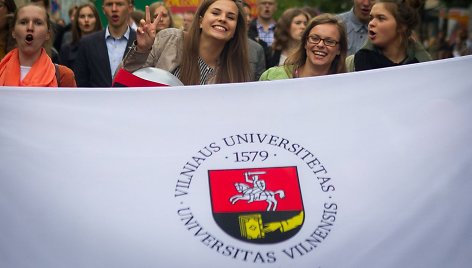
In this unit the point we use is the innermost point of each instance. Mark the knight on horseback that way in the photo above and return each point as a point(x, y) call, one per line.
point(259, 185)
point(256, 193)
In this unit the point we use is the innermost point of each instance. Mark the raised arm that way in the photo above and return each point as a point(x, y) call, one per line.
point(145, 35)
point(146, 32)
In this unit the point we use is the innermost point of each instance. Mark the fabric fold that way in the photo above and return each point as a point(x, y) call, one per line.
point(42, 73)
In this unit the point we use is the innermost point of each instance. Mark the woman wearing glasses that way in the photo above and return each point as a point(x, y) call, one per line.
point(390, 40)
point(322, 51)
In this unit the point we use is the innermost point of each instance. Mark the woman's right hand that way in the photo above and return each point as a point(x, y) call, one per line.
point(146, 32)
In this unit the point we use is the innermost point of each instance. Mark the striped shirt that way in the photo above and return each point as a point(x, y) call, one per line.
point(206, 72)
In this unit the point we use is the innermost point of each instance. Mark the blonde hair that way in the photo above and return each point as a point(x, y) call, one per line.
point(155, 5)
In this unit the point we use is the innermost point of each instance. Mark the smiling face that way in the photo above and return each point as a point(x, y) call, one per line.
point(86, 20)
point(321, 55)
point(298, 26)
point(220, 20)
point(383, 28)
point(31, 30)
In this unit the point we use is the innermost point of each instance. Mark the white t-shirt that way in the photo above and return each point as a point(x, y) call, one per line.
point(282, 59)
point(24, 71)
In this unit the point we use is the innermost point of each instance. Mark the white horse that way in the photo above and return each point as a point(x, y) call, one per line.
point(255, 194)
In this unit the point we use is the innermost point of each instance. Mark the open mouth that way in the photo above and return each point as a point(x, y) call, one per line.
point(29, 38)
point(372, 34)
point(365, 11)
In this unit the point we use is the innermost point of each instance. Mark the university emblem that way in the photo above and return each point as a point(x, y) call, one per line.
point(258, 205)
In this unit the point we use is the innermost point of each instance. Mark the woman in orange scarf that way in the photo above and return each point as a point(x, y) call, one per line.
point(29, 65)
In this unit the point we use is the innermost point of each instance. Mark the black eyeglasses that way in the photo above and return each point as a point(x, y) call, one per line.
point(314, 39)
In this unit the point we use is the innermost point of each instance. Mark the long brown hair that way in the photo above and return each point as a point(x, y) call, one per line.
point(234, 63)
point(76, 32)
point(282, 34)
point(298, 58)
point(155, 5)
point(406, 15)
point(8, 42)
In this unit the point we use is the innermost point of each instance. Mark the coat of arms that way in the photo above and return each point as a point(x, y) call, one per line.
point(260, 205)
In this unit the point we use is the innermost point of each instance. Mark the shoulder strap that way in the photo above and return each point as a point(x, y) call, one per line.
point(58, 75)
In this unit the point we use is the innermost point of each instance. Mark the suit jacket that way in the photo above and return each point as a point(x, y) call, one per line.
point(253, 34)
point(92, 66)
point(257, 59)
point(68, 54)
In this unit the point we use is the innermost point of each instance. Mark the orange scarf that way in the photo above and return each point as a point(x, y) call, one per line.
point(41, 74)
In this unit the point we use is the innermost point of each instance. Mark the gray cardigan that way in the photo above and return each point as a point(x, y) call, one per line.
point(166, 52)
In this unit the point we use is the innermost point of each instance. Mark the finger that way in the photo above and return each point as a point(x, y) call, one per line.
point(148, 15)
point(157, 19)
point(142, 24)
point(146, 29)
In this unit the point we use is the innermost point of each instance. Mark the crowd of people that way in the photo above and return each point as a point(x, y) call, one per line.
point(219, 43)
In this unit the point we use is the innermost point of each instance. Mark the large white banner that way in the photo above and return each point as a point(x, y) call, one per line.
point(368, 169)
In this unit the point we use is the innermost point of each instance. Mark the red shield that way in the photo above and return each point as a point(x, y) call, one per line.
point(258, 205)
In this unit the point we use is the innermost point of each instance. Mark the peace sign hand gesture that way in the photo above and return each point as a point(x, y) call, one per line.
point(146, 32)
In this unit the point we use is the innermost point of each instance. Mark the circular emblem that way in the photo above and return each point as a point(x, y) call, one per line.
point(256, 198)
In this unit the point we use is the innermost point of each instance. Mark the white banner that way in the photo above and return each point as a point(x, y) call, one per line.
point(368, 169)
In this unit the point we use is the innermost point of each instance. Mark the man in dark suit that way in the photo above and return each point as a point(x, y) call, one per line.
point(256, 51)
point(101, 52)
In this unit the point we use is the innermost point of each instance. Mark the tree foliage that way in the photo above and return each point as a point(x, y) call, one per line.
point(338, 6)
point(457, 3)
point(329, 6)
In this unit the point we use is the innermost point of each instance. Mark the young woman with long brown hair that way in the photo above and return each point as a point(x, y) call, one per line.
point(86, 21)
point(214, 50)
point(391, 41)
point(287, 35)
point(322, 51)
